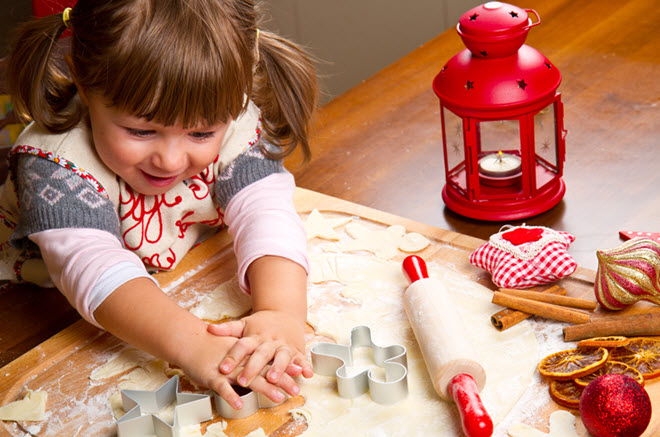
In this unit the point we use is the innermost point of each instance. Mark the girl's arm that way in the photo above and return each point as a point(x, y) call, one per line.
point(109, 286)
point(270, 246)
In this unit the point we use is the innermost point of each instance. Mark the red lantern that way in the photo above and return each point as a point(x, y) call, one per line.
point(502, 119)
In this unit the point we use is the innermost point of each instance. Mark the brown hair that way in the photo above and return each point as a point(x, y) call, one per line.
point(167, 61)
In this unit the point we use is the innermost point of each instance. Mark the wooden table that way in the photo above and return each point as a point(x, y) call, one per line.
point(379, 144)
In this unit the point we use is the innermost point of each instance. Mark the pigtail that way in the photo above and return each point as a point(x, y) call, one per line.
point(286, 90)
point(37, 78)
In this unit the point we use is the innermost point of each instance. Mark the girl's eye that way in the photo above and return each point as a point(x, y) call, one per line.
point(140, 133)
point(202, 135)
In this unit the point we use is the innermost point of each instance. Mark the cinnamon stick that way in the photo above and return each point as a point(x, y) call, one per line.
point(507, 317)
point(546, 310)
point(628, 326)
point(565, 301)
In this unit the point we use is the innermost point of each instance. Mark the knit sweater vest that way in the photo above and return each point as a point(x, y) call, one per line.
point(160, 229)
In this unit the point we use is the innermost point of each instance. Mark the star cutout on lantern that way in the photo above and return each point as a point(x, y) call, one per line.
point(522, 84)
point(469, 85)
point(545, 145)
point(444, 69)
point(473, 17)
point(547, 64)
point(514, 14)
point(483, 53)
point(318, 226)
point(143, 405)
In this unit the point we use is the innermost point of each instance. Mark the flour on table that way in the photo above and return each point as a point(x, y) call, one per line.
point(562, 424)
point(31, 408)
point(127, 359)
point(509, 357)
point(226, 301)
point(318, 226)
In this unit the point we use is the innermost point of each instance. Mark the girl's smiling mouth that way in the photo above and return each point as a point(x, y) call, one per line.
point(157, 181)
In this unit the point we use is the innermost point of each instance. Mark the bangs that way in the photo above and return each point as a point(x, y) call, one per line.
point(180, 69)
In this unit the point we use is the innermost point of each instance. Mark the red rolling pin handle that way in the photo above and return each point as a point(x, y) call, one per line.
point(474, 418)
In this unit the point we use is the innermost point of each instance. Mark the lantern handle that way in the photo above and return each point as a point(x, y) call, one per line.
point(538, 17)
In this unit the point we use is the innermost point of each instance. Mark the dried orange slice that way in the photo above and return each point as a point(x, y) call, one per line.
point(641, 353)
point(573, 363)
point(608, 342)
point(566, 393)
point(611, 367)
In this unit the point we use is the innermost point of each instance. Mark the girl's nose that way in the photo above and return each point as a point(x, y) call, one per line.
point(170, 158)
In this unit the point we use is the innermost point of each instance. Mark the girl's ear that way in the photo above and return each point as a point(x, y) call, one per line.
point(81, 91)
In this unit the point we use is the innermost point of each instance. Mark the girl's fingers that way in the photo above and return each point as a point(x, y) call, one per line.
point(226, 392)
point(301, 362)
point(259, 359)
point(282, 360)
point(228, 329)
point(241, 349)
point(272, 392)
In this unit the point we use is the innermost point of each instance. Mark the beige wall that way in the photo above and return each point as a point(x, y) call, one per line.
point(356, 38)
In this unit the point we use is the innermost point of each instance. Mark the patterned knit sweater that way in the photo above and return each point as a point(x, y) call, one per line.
point(58, 181)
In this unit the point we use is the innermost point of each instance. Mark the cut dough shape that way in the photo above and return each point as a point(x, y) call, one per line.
point(509, 357)
point(226, 301)
point(384, 243)
point(318, 226)
point(562, 424)
point(257, 433)
point(31, 408)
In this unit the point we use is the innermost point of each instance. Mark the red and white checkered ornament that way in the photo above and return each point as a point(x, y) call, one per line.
point(522, 257)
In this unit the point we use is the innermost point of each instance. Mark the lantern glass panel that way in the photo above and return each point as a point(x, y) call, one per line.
point(545, 145)
point(498, 136)
point(455, 149)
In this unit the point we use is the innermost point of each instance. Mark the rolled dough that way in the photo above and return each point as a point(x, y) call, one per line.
point(375, 299)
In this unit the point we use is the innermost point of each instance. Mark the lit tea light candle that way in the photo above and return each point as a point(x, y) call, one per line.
point(500, 165)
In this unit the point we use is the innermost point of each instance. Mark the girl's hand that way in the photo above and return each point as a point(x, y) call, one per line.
point(200, 364)
point(266, 337)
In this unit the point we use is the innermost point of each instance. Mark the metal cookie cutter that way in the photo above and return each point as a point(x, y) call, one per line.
point(252, 402)
point(190, 409)
point(331, 359)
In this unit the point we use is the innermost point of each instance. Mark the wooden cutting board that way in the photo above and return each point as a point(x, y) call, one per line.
point(62, 364)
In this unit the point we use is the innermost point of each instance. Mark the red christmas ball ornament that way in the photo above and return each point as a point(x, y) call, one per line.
point(615, 405)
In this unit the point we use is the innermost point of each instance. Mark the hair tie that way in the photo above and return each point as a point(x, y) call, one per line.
point(66, 17)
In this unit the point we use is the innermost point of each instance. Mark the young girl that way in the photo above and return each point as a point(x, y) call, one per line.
point(160, 121)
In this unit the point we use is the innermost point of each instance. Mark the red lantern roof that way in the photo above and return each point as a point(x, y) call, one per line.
point(468, 83)
point(494, 19)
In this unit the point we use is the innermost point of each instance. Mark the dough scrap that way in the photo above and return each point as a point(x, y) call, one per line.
point(385, 244)
point(32, 408)
point(318, 226)
point(226, 301)
point(562, 424)
point(216, 429)
point(259, 432)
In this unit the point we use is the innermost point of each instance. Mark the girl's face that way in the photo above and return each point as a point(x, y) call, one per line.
point(150, 157)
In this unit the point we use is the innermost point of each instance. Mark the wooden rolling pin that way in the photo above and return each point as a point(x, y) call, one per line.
point(449, 357)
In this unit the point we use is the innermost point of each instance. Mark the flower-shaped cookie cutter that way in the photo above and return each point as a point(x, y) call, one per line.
point(330, 359)
point(190, 409)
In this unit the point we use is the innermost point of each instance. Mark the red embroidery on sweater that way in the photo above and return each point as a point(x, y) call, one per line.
point(154, 260)
point(148, 221)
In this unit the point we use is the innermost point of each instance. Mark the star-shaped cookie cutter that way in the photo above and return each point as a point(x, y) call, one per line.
point(330, 359)
point(143, 405)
